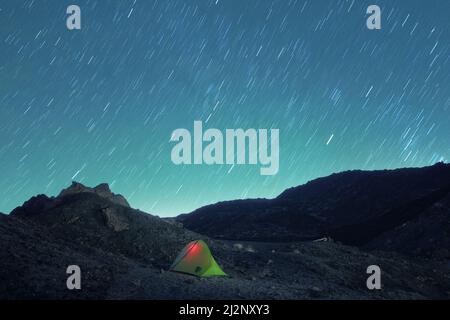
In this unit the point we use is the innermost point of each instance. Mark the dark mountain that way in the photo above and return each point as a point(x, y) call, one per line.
point(353, 207)
point(92, 227)
point(427, 233)
point(125, 254)
point(98, 218)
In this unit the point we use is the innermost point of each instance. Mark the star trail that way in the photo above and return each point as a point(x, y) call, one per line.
point(99, 104)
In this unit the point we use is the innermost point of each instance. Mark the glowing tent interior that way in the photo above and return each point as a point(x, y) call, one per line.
point(196, 259)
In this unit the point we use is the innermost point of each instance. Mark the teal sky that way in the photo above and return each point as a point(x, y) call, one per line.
point(99, 104)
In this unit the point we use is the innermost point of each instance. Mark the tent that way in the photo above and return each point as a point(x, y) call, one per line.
point(196, 259)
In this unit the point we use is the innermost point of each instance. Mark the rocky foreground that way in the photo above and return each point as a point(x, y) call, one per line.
point(125, 254)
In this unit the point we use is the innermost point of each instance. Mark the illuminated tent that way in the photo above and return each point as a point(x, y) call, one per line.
point(196, 259)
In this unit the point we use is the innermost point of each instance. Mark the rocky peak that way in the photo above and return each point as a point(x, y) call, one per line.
point(35, 205)
point(103, 187)
point(74, 188)
point(103, 190)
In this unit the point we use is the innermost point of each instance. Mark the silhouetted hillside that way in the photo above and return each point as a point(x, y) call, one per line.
point(125, 254)
point(102, 219)
point(353, 207)
point(428, 233)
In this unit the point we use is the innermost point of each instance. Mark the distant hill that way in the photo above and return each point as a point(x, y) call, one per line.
point(354, 207)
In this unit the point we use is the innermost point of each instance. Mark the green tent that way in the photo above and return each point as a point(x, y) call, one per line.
point(196, 259)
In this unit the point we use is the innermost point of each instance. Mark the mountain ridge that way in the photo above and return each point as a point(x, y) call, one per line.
point(327, 206)
point(125, 253)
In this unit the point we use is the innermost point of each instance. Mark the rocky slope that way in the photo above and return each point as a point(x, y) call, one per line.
point(84, 226)
point(354, 207)
point(35, 256)
point(428, 234)
point(125, 254)
point(86, 217)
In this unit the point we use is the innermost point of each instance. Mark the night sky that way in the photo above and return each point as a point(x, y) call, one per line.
point(99, 104)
